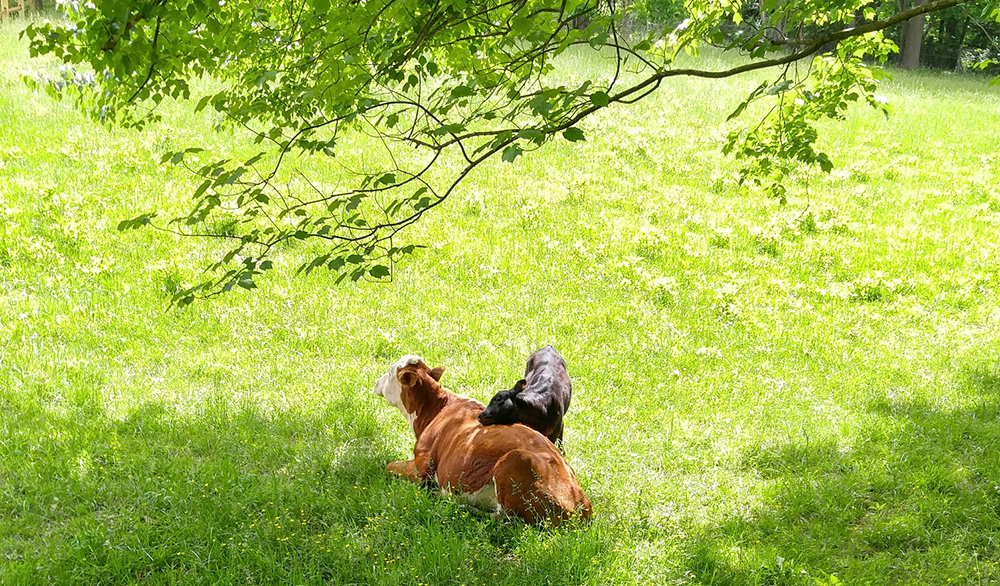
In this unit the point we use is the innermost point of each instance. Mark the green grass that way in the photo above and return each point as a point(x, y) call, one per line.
point(807, 394)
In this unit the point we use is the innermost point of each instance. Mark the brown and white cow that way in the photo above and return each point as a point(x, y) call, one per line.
point(510, 469)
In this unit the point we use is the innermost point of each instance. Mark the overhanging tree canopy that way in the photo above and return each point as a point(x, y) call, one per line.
point(433, 80)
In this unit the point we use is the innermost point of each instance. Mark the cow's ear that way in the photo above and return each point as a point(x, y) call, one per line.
point(518, 386)
point(407, 378)
point(437, 372)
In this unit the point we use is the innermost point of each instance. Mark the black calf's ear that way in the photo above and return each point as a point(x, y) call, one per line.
point(518, 386)
point(437, 372)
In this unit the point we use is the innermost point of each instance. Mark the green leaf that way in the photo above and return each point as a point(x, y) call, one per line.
point(521, 25)
point(268, 76)
point(308, 267)
point(540, 105)
point(136, 222)
point(379, 271)
point(532, 134)
point(599, 40)
point(824, 162)
point(353, 203)
point(462, 91)
point(202, 103)
point(447, 129)
point(743, 105)
point(600, 99)
point(779, 87)
point(231, 177)
point(202, 188)
point(573, 134)
point(739, 110)
point(512, 152)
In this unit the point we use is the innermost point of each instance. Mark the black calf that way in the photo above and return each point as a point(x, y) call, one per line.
point(539, 400)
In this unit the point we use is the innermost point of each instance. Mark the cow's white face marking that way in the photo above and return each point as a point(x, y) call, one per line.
point(389, 388)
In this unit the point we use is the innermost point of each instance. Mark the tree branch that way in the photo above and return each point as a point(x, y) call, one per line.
point(873, 26)
point(152, 61)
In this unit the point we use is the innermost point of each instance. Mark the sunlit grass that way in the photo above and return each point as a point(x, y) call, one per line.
point(763, 395)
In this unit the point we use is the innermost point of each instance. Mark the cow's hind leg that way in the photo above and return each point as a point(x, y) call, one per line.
point(518, 490)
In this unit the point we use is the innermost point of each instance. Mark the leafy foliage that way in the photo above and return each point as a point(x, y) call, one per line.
point(659, 11)
point(444, 85)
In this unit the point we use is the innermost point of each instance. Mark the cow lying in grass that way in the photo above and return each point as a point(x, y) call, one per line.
point(511, 470)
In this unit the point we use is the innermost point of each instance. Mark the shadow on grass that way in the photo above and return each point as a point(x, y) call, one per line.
point(237, 496)
point(915, 499)
point(985, 380)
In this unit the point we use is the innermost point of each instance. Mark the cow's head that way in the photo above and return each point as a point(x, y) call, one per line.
point(397, 385)
point(503, 407)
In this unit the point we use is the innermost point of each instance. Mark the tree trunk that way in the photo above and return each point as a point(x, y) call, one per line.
point(911, 38)
point(626, 25)
point(961, 45)
point(777, 32)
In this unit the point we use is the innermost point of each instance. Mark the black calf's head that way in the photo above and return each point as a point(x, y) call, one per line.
point(503, 407)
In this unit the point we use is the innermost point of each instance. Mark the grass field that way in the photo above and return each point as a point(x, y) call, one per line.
point(796, 395)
